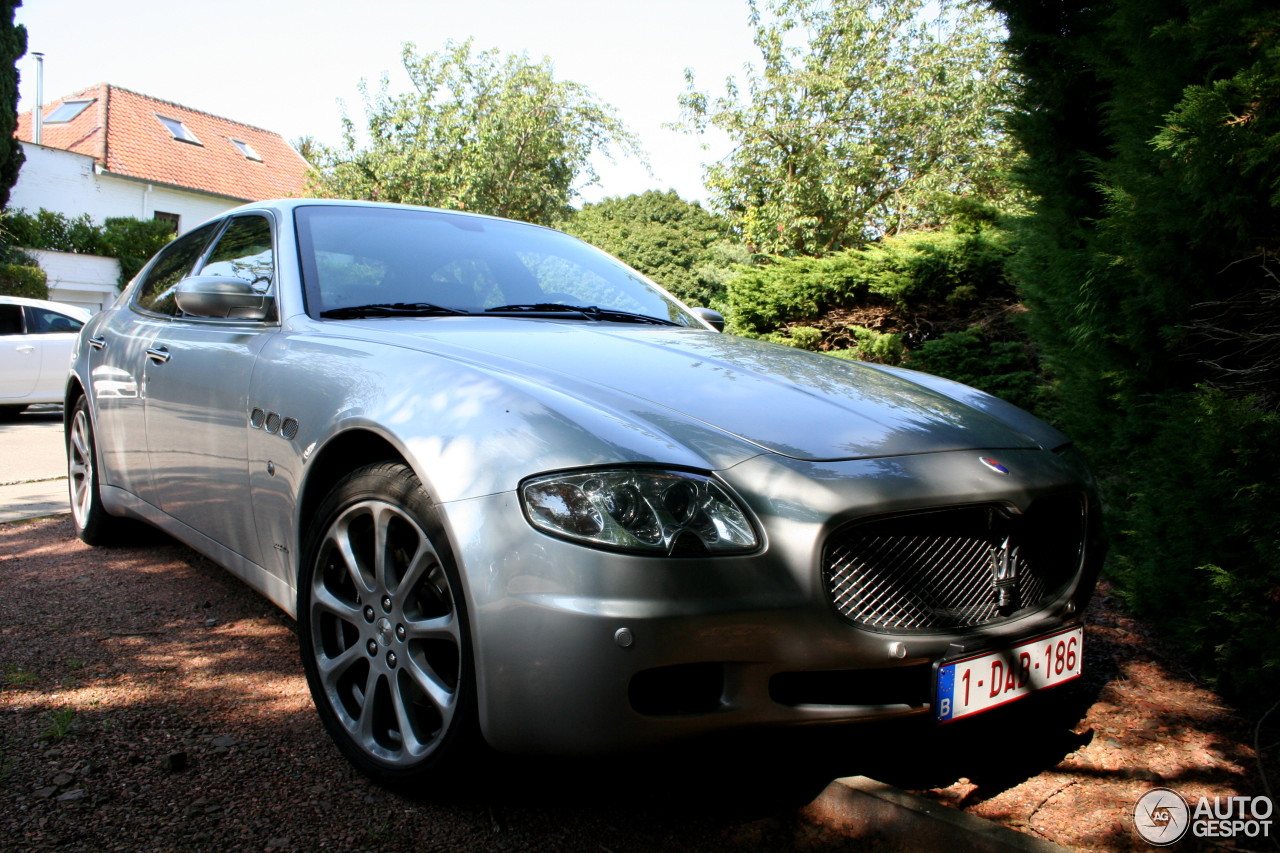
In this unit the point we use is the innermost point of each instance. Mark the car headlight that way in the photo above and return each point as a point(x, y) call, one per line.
point(644, 511)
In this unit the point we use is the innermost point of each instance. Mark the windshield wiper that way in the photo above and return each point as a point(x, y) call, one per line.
point(389, 309)
point(589, 312)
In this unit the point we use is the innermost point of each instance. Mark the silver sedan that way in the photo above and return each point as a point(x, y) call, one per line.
point(515, 494)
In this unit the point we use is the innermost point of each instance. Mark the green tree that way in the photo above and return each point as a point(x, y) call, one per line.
point(864, 118)
point(1150, 267)
point(309, 149)
point(676, 243)
point(13, 44)
point(478, 131)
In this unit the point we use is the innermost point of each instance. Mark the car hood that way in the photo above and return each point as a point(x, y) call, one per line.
point(799, 404)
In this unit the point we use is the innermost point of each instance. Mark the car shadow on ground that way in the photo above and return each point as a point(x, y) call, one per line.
point(42, 414)
point(750, 774)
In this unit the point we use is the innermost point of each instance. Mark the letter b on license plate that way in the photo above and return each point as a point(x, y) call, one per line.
point(982, 682)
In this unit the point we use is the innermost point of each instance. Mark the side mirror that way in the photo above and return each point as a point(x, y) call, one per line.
point(714, 318)
point(222, 297)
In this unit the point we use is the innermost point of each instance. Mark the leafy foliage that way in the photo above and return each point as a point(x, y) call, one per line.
point(864, 119)
point(55, 232)
point(937, 301)
point(130, 241)
point(13, 44)
point(1008, 369)
point(479, 132)
point(133, 242)
point(952, 266)
point(1201, 552)
point(23, 279)
point(1151, 128)
point(674, 242)
point(800, 337)
point(870, 345)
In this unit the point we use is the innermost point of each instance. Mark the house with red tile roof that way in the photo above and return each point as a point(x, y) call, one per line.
point(108, 151)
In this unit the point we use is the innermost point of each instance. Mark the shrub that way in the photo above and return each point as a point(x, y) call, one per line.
point(23, 280)
point(133, 241)
point(953, 267)
point(800, 337)
point(130, 241)
point(55, 232)
point(1201, 543)
point(1007, 369)
point(880, 347)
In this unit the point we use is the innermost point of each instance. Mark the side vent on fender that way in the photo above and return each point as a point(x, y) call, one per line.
point(286, 428)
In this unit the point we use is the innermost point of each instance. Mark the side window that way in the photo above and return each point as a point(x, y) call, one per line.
point(10, 319)
point(244, 251)
point(42, 321)
point(155, 293)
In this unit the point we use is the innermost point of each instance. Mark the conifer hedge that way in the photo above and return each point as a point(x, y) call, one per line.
point(1149, 264)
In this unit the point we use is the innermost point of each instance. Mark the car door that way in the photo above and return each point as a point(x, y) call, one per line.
point(197, 375)
point(19, 355)
point(117, 362)
point(54, 334)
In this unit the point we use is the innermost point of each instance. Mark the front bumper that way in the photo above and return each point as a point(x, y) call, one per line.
point(580, 650)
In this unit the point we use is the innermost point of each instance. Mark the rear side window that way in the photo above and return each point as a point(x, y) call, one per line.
point(42, 321)
point(174, 263)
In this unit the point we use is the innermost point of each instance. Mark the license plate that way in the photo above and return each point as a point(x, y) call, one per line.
point(980, 683)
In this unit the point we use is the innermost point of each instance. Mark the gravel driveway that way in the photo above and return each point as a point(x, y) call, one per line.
point(150, 701)
point(153, 702)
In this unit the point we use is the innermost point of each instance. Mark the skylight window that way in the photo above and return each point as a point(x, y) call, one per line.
point(246, 149)
point(178, 129)
point(66, 111)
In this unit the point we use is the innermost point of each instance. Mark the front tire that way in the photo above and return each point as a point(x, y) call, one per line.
point(383, 630)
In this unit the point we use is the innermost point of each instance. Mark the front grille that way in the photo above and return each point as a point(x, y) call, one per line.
point(954, 568)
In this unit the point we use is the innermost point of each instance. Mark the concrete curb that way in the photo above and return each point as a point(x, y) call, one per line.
point(22, 501)
point(894, 820)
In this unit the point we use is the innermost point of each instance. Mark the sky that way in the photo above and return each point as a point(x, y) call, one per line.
point(285, 65)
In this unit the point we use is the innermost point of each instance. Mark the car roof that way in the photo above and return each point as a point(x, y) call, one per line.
point(72, 310)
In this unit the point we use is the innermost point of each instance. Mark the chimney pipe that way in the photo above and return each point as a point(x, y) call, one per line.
point(37, 115)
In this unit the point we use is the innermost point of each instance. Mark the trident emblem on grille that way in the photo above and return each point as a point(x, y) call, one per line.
point(1004, 576)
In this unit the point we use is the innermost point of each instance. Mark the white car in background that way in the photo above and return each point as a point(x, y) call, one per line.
point(36, 338)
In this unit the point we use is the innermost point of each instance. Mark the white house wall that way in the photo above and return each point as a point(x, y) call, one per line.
point(67, 183)
point(84, 280)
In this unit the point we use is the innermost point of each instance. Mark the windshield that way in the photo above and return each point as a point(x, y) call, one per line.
point(353, 257)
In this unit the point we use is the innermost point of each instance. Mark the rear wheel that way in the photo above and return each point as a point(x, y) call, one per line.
point(93, 524)
point(383, 630)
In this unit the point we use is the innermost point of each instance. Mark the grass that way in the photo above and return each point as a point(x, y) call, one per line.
point(17, 675)
point(60, 724)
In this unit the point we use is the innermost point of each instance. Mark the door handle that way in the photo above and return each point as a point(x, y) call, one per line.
point(26, 349)
point(98, 342)
point(158, 354)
